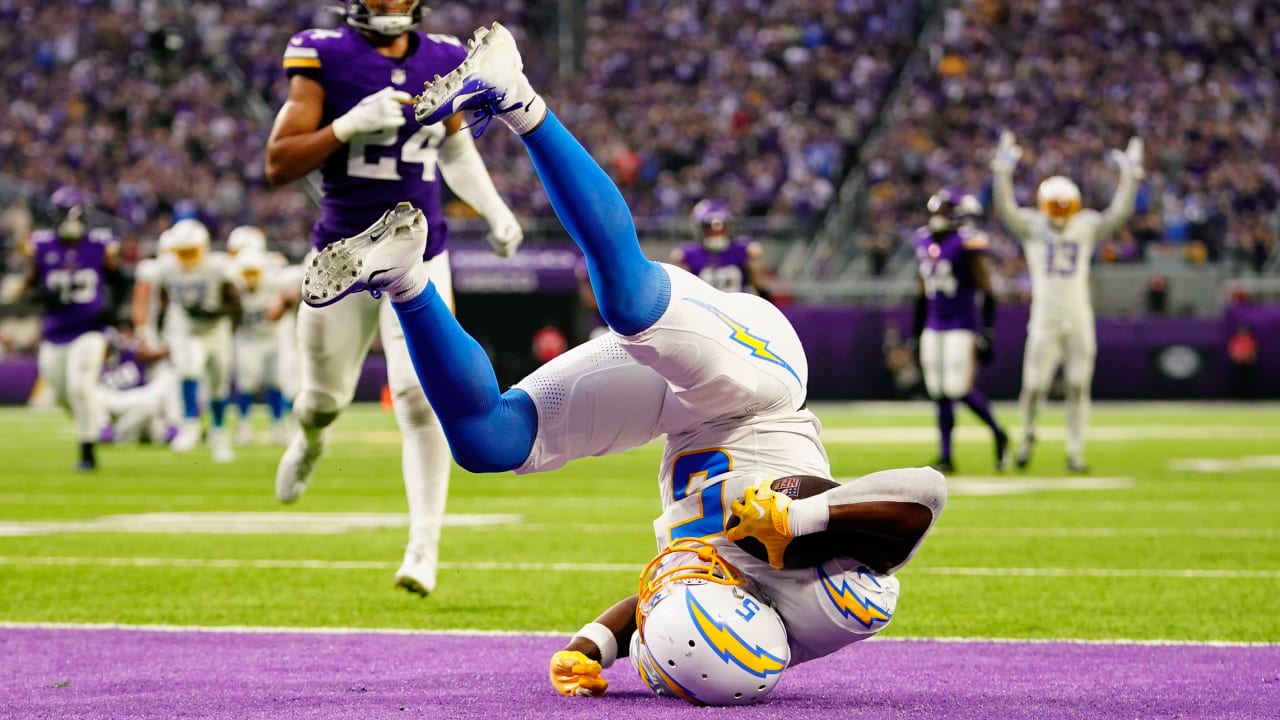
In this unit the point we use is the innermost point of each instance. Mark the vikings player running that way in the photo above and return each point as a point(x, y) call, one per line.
point(347, 115)
point(1058, 238)
point(952, 272)
point(72, 267)
point(721, 260)
point(722, 375)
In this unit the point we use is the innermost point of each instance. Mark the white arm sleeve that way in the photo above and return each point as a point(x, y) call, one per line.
point(1007, 206)
point(1121, 207)
point(463, 169)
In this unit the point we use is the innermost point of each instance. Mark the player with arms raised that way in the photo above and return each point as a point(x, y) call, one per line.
point(72, 267)
point(721, 260)
point(347, 115)
point(782, 580)
point(953, 270)
point(1058, 238)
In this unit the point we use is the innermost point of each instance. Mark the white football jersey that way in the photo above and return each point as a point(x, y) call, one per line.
point(254, 304)
point(188, 289)
point(1058, 257)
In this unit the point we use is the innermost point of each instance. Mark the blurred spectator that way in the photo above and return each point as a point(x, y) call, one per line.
point(1072, 80)
point(1242, 351)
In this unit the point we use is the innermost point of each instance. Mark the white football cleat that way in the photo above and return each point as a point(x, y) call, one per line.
point(244, 433)
point(489, 83)
point(220, 446)
point(188, 437)
point(417, 572)
point(296, 466)
point(386, 257)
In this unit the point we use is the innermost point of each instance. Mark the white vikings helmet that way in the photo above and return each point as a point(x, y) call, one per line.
point(246, 237)
point(1058, 197)
point(700, 634)
point(188, 239)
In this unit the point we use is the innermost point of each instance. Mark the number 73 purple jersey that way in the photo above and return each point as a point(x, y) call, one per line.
point(950, 289)
point(373, 172)
point(75, 274)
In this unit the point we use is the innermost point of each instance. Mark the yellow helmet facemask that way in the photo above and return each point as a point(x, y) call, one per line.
point(189, 257)
point(666, 568)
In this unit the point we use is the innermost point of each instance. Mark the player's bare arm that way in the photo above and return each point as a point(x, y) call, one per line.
point(981, 273)
point(230, 301)
point(575, 670)
point(298, 144)
point(756, 271)
point(805, 521)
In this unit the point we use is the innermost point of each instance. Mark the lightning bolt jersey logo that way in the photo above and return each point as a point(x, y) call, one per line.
point(758, 346)
point(730, 646)
point(850, 603)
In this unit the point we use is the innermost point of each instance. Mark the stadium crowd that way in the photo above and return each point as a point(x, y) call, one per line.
point(1196, 80)
point(762, 105)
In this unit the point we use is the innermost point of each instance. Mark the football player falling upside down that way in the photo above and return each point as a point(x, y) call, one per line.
point(750, 580)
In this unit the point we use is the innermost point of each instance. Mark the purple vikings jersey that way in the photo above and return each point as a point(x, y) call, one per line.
point(949, 285)
point(724, 270)
point(75, 273)
point(373, 172)
point(124, 370)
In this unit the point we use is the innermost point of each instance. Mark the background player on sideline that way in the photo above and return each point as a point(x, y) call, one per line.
point(346, 115)
point(1058, 240)
point(953, 270)
point(731, 264)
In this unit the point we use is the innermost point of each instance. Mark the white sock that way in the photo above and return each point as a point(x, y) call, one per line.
point(532, 108)
point(1027, 402)
point(1077, 416)
point(411, 284)
point(425, 463)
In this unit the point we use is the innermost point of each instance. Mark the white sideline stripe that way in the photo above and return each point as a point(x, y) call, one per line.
point(285, 630)
point(219, 563)
point(1050, 532)
point(923, 434)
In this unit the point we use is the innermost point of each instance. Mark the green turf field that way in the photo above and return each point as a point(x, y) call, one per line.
point(1175, 534)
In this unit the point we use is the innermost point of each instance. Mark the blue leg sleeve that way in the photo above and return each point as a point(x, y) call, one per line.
point(487, 431)
point(218, 411)
point(190, 399)
point(244, 401)
point(275, 402)
point(632, 290)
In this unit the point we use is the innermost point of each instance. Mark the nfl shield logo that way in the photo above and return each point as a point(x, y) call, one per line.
point(398, 76)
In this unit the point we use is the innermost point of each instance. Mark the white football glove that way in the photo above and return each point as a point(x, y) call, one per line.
point(379, 111)
point(505, 235)
point(1130, 159)
point(1007, 153)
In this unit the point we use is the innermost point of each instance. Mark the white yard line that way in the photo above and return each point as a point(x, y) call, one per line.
point(230, 563)
point(1125, 433)
point(285, 630)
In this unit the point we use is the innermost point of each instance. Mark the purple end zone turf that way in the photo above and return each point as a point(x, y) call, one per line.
point(120, 674)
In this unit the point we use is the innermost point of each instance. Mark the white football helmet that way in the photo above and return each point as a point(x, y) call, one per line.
point(1059, 198)
point(251, 264)
point(188, 239)
point(246, 237)
point(700, 634)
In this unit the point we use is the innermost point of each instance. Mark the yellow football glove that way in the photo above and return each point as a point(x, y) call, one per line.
point(763, 515)
point(574, 674)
